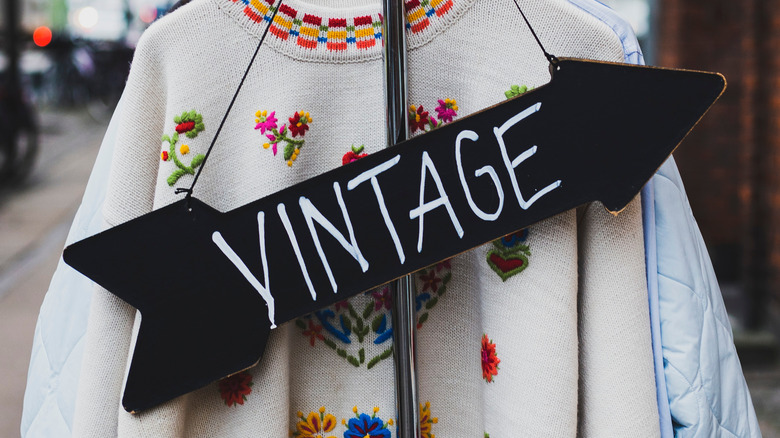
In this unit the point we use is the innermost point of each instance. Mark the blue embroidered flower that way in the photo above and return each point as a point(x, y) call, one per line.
point(512, 240)
point(366, 426)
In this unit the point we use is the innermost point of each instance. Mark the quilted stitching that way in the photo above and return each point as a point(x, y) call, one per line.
point(707, 392)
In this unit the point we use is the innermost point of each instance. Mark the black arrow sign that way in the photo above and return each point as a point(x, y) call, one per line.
point(598, 131)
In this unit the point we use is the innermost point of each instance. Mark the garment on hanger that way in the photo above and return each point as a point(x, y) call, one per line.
point(534, 349)
point(440, 82)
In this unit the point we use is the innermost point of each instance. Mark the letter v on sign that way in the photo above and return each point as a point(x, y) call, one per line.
point(596, 132)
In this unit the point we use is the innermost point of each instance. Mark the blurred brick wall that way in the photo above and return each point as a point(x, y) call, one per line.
point(730, 163)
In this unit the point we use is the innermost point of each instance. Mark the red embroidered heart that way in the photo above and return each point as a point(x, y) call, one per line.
point(506, 265)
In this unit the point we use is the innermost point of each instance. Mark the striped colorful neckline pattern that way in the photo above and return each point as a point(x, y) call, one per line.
point(310, 31)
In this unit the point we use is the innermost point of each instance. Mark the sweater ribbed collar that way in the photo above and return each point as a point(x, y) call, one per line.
point(339, 30)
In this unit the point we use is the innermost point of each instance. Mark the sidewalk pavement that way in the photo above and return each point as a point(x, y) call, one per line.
point(34, 221)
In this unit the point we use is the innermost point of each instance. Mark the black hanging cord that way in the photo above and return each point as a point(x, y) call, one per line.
point(551, 58)
point(233, 101)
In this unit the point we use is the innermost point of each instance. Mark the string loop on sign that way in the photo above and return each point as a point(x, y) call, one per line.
point(230, 107)
point(552, 59)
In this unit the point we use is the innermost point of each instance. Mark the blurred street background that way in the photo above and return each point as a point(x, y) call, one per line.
point(63, 65)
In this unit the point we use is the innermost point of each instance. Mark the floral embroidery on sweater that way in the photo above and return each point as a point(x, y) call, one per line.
point(421, 120)
point(189, 123)
point(363, 425)
point(516, 90)
point(235, 388)
point(489, 359)
point(427, 421)
point(431, 285)
point(315, 425)
point(298, 125)
point(509, 255)
point(346, 329)
point(355, 154)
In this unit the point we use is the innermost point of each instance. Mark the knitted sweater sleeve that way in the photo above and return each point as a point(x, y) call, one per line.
point(130, 194)
point(617, 380)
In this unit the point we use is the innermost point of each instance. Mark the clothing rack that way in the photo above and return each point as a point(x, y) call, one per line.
point(403, 310)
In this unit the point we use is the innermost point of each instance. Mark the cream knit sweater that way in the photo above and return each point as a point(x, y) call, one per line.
point(559, 349)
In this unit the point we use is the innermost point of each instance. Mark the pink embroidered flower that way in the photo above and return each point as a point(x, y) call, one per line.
point(382, 299)
point(235, 388)
point(314, 332)
point(489, 359)
point(265, 121)
point(430, 281)
point(342, 305)
point(447, 110)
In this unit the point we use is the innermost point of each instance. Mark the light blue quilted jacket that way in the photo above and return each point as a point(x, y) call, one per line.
point(701, 389)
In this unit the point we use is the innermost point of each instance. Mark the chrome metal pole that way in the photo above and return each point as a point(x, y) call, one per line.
point(404, 318)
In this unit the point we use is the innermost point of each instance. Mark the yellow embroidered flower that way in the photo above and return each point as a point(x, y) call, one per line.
point(315, 425)
point(426, 421)
point(184, 149)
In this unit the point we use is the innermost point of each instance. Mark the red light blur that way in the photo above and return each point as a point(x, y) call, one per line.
point(42, 36)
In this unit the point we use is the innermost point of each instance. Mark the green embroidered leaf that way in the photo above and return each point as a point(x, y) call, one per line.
point(373, 362)
point(178, 173)
point(353, 360)
point(362, 355)
point(359, 330)
point(423, 318)
point(177, 120)
point(346, 322)
point(300, 324)
point(175, 137)
point(288, 151)
point(377, 322)
point(197, 160)
point(367, 311)
point(330, 343)
point(385, 354)
point(430, 304)
point(166, 138)
point(352, 311)
point(365, 330)
point(341, 352)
